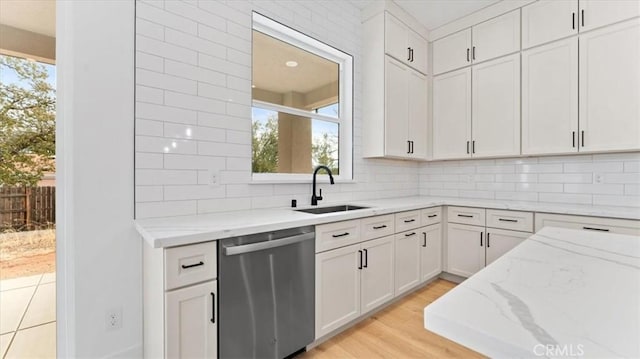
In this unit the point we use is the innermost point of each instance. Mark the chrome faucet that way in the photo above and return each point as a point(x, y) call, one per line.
point(314, 198)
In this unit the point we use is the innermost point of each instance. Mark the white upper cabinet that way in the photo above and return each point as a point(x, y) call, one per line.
point(452, 52)
point(452, 115)
point(610, 88)
point(404, 44)
point(496, 108)
point(417, 115)
point(396, 109)
point(550, 98)
point(496, 37)
point(597, 13)
point(548, 20)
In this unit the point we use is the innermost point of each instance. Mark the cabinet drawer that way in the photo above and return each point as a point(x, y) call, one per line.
point(407, 220)
point(513, 220)
point(466, 215)
point(338, 234)
point(431, 216)
point(378, 226)
point(611, 225)
point(190, 264)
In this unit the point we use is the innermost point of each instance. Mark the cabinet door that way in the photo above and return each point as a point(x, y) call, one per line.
point(407, 260)
point(597, 13)
point(496, 107)
point(376, 279)
point(452, 52)
point(396, 108)
point(417, 131)
point(337, 288)
point(418, 46)
point(548, 20)
point(431, 252)
point(496, 37)
point(396, 38)
point(610, 88)
point(550, 98)
point(452, 115)
point(501, 241)
point(191, 325)
point(465, 249)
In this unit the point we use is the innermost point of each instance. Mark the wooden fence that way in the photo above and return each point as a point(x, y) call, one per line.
point(27, 208)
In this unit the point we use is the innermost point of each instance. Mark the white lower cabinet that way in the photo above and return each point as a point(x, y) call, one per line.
point(376, 277)
point(430, 252)
point(500, 241)
point(351, 281)
point(407, 270)
point(337, 288)
point(465, 249)
point(191, 330)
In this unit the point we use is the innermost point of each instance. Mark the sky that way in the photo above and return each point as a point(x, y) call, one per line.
point(8, 76)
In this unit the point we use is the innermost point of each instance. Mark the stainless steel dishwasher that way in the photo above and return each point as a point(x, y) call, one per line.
point(267, 294)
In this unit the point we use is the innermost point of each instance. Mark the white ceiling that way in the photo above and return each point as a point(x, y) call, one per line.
point(37, 16)
point(435, 13)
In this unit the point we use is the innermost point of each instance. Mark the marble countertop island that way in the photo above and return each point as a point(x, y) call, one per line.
point(561, 293)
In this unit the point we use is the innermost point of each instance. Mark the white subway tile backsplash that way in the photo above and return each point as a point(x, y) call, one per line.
point(565, 198)
point(164, 145)
point(149, 194)
point(606, 200)
point(150, 29)
point(200, 133)
point(165, 209)
point(224, 149)
point(165, 113)
point(594, 188)
point(149, 62)
point(191, 102)
point(189, 162)
point(165, 18)
point(147, 177)
point(149, 127)
point(193, 88)
point(149, 94)
point(149, 160)
point(193, 72)
point(565, 178)
point(179, 193)
point(160, 48)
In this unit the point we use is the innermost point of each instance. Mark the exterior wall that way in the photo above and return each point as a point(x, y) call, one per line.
point(193, 70)
point(601, 179)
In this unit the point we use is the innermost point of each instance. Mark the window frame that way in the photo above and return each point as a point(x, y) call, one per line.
point(284, 33)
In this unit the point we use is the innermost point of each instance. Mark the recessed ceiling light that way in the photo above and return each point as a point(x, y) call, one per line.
point(291, 63)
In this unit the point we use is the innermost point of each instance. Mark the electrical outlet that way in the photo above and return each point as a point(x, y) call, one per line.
point(598, 178)
point(214, 178)
point(113, 319)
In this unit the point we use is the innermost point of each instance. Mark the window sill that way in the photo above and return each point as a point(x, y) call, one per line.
point(300, 181)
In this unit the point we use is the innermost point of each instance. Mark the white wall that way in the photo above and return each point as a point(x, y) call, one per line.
point(192, 58)
point(600, 179)
point(99, 253)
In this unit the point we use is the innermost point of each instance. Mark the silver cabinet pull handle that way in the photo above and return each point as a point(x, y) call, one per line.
point(254, 247)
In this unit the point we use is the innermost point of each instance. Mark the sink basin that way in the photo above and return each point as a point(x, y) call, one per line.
point(332, 209)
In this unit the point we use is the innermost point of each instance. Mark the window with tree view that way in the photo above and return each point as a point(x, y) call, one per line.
point(301, 115)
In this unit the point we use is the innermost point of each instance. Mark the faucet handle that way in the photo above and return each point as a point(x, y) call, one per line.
point(319, 198)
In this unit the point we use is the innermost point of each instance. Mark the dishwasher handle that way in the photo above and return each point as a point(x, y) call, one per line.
point(254, 247)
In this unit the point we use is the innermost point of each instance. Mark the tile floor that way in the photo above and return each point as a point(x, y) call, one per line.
point(28, 317)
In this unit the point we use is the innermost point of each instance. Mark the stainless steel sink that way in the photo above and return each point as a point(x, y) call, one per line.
point(332, 209)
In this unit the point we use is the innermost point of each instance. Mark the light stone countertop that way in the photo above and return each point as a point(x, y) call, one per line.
point(174, 231)
point(560, 293)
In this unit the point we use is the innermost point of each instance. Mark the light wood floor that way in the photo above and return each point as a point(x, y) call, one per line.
point(395, 332)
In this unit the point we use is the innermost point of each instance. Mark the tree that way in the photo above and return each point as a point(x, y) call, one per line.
point(325, 152)
point(27, 123)
point(264, 145)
